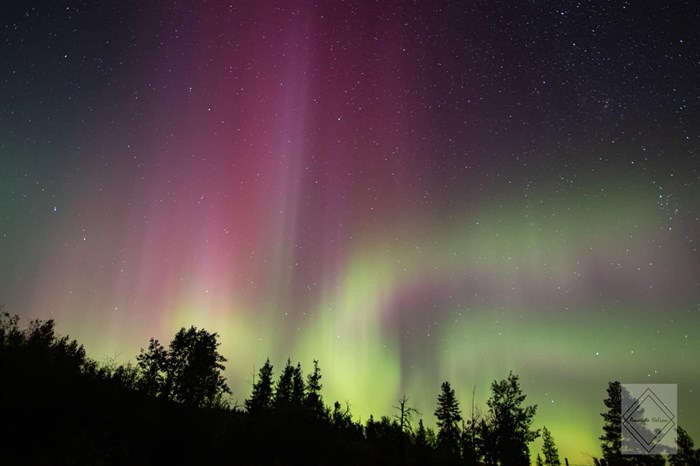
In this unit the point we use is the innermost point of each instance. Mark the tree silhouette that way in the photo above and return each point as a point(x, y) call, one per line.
point(283, 394)
point(471, 439)
point(549, 450)
point(10, 334)
point(260, 400)
point(153, 368)
point(286, 422)
point(686, 454)
point(538, 461)
point(630, 444)
point(510, 424)
point(612, 426)
point(188, 372)
point(488, 442)
point(126, 376)
point(614, 435)
point(194, 366)
point(385, 434)
point(314, 401)
point(39, 346)
point(341, 418)
point(405, 414)
point(420, 433)
point(405, 418)
point(423, 447)
point(448, 418)
point(298, 386)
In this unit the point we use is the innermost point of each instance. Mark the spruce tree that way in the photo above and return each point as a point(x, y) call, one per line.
point(283, 394)
point(298, 386)
point(260, 400)
point(470, 443)
point(313, 391)
point(449, 417)
point(423, 449)
point(549, 450)
point(686, 455)
point(471, 439)
point(420, 439)
point(612, 426)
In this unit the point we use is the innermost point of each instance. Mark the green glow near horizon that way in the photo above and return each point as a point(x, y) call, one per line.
point(517, 302)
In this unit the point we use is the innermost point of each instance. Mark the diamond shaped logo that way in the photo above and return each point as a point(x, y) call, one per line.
point(648, 417)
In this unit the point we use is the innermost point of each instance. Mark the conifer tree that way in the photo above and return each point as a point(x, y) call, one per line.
point(313, 390)
point(510, 424)
point(449, 417)
point(538, 461)
point(298, 386)
point(283, 394)
point(420, 438)
point(341, 418)
point(549, 450)
point(423, 449)
point(260, 400)
point(470, 445)
point(471, 439)
point(612, 426)
point(616, 437)
point(686, 454)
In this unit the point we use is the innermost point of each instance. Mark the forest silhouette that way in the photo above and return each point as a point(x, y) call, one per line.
point(174, 407)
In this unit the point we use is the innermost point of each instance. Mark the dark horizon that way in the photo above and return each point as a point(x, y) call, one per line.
point(107, 413)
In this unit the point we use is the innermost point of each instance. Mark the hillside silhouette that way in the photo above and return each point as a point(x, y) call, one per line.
point(61, 407)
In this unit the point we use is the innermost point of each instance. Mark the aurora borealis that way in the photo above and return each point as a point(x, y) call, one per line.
point(409, 193)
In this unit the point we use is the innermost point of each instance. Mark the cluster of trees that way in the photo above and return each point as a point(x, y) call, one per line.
point(291, 395)
point(189, 371)
point(172, 406)
point(614, 440)
point(502, 436)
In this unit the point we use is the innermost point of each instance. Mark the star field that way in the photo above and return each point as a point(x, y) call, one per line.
point(407, 192)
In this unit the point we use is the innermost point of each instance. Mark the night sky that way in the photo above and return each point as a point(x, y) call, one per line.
point(409, 193)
